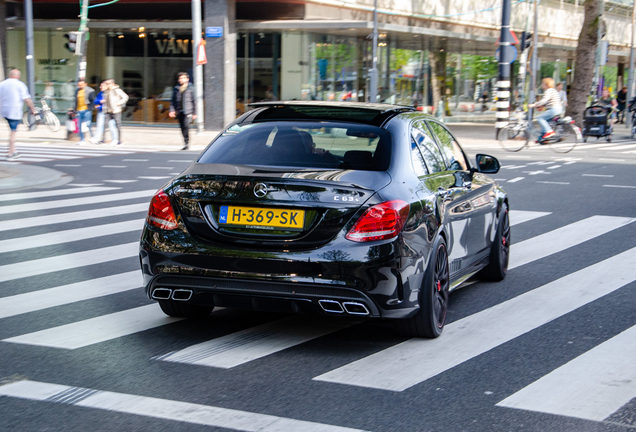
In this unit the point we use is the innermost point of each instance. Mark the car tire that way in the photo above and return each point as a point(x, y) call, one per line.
point(429, 320)
point(500, 250)
point(184, 310)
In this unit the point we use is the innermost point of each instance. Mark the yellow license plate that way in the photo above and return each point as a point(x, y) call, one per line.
point(264, 218)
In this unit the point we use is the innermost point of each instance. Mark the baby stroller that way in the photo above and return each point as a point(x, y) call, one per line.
point(596, 122)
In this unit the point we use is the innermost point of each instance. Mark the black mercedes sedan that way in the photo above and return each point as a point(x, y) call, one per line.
point(334, 208)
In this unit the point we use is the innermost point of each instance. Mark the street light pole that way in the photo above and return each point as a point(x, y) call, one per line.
point(534, 61)
point(373, 82)
point(30, 61)
point(505, 58)
point(197, 69)
point(630, 79)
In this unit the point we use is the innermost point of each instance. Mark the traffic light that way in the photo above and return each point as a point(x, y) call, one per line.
point(525, 41)
point(75, 42)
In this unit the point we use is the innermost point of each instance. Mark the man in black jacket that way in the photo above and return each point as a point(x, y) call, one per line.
point(182, 105)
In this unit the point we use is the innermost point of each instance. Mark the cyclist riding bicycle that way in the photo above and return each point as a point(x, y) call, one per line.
point(552, 101)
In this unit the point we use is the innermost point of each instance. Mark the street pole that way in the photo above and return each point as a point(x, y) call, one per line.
point(599, 36)
point(505, 59)
point(373, 82)
point(83, 28)
point(197, 68)
point(30, 61)
point(534, 61)
point(630, 79)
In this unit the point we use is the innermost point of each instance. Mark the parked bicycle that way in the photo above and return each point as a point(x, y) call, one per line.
point(42, 115)
point(520, 132)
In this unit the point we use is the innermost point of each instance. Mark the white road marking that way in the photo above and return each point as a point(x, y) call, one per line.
point(37, 221)
point(69, 261)
point(554, 166)
point(551, 182)
point(99, 329)
point(161, 168)
point(154, 177)
point(611, 160)
point(521, 216)
point(184, 161)
point(597, 175)
point(563, 238)
point(620, 186)
point(52, 193)
point(60, 237)
point(621, 147)
point(37, 300)
point(120, 181)
point(516, 179)
point(253, 343)
point(47, 205)
point(67, 165)
point(416, 360)
point(114, 166)
point(592, 386)
point(135, 160)
point(162, 408)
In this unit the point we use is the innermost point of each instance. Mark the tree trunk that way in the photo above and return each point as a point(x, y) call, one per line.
point(433, 61)
point(584, 63)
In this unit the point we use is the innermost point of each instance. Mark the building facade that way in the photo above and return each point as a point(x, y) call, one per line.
point(309, 49)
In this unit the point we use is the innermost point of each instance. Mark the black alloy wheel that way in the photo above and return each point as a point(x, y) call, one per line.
point(184, 310)
point(497, 267)
point(429, 321)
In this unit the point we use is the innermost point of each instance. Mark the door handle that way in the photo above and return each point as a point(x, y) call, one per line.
point(446, 194)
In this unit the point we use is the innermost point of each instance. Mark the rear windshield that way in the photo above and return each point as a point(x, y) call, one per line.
point(302, 144)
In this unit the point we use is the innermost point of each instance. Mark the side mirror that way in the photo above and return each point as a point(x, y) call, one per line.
point(487, 164)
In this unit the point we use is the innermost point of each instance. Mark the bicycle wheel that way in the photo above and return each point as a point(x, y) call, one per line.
point(513, 137)
point(567, 139)
point(52, 121)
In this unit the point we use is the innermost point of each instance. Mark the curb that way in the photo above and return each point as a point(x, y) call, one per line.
point(15, 178)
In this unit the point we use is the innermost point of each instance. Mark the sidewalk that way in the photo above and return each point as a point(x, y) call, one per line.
point(15, 177)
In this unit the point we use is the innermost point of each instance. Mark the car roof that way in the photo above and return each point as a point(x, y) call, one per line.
point(352, 112)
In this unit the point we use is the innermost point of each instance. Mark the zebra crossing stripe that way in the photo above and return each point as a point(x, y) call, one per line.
point(39, 221)
point(47, 205)
point(416, 360)
point(96, 330)
point(59, 237)
point(520, 216)
point(69, 261)
point(256, 342)
point(75, 292)
point(162, 408)
point(51, 193)
point(563, 238)
point(592, 386)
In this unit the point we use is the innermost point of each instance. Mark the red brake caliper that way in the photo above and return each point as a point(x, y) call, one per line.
point(504, 241)
point(439, 285)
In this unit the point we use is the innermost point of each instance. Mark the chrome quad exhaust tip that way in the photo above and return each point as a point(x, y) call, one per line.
point(182, 294)
point(161, 293)
point(355, 308)
point(331, 306)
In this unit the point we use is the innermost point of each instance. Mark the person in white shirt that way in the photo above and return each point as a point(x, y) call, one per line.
point(563, 95)
point(552, 102)
point(13, 94)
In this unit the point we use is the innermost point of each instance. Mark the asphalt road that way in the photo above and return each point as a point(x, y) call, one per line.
point(550, 348)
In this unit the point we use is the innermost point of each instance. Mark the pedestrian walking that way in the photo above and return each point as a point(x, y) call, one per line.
point(13, 94)
point(182, 106)
point(563, 95)
point(621, 98)
point(114, 102)
point(99, 121)
point(84, 98)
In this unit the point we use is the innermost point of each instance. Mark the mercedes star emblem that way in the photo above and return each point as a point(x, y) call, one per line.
point(260, 190)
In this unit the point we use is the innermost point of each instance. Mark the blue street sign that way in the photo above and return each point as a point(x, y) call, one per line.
point(514, 53)
point(214, 32)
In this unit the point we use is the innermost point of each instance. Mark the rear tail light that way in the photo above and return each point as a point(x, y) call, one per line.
point(380, 222)
point(160, 213)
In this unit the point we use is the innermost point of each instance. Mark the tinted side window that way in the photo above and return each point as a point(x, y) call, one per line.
point(430, 152)
point(419, 165)
point(449, 147)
